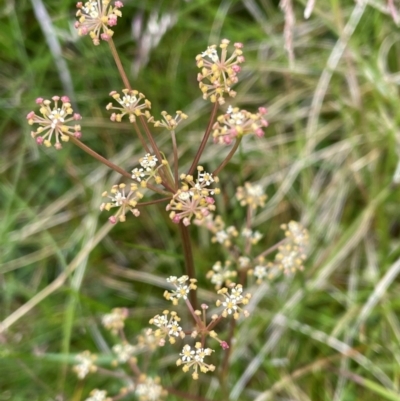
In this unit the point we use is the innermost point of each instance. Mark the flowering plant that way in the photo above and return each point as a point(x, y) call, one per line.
point(189, 197)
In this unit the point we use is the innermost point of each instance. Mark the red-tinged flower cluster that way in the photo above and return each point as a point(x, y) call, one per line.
point(53, 122)
point(125, 201)
point(219, 73)
point(193, 199)
point(236, 123)
point(95, 18)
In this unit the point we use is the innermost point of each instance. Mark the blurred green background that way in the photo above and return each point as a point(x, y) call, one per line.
point(328, 159)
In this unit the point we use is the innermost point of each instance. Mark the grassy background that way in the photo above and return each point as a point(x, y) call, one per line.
point(328, 160)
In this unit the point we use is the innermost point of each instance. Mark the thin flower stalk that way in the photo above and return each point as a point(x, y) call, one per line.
point(228, 157)
point(100, 158)
point(204, 140)
point(120, 67)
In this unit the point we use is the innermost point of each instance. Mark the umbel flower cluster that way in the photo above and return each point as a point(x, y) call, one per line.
point(193, 332)
point(194, 356)
point(187, 196)
point(239, 242)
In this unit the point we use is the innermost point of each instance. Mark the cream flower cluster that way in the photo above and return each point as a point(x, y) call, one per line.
point(95, 18)
point(125, 201)
point(219, 72)
point(54, 122)
point(194, 198)
point(130, 104)
point(236, 123)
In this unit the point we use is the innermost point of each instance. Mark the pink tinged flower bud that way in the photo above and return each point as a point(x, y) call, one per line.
point(259, 132)
point(241, 59)
point(262, 110)
point(58, 146)
point(227, 140)
point(186, 221)
point(118, 4)
point(224, 345)
point(112, 20)
point(84, 31)
point(113, 117)
point(39, 140)
point(105, 36)
point(39, 100)
point(76, 25)
point(65, 99)
point(238, 45)
point(264, 123)
point(30, 115)
point(79, 4)
point(78, 135)
point(56, 98)
point(204, 306)
point(112, 220)
point(205, 212)
point(233, 132)
point(77, 116)
point(176, 219)
point(210, 200)
point(236, 68)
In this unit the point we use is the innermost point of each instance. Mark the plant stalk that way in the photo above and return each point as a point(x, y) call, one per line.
point(228, 157)
point(204, 140)
point(119, 64)
point(189, 263)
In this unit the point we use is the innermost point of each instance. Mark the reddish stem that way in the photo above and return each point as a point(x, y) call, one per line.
point(204, 140)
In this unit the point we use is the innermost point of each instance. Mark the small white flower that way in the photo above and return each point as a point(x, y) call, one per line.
point(211, 53)
point(149, 390)
point(127, 100)
point(98, 395)
point(187, 353)
point(260, 272)
point(124, 351)
point(85, 364)
point(205, 177)
point(138, 174)
point(221, 236)
point(148, 162)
